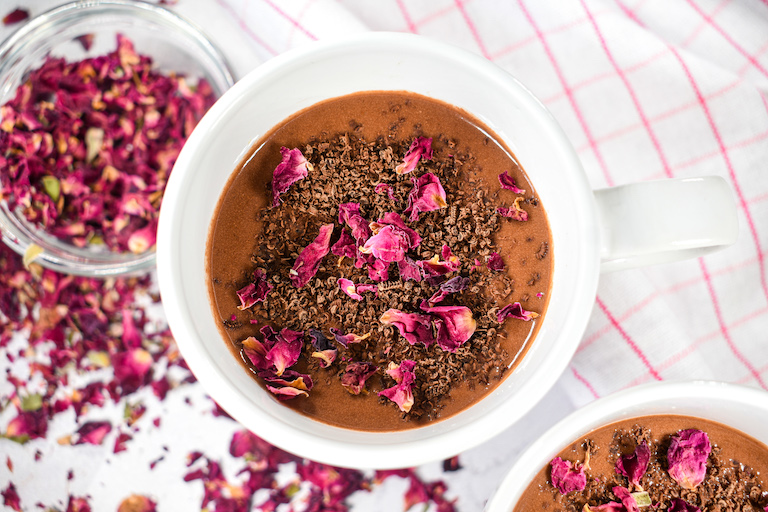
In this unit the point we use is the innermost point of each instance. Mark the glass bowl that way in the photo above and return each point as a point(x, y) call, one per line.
point(173, 43)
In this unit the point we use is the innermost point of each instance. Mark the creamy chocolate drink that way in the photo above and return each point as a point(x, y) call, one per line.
point(379, 261)
point(665, 462)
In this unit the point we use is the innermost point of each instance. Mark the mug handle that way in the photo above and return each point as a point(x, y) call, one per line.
point(665, 220)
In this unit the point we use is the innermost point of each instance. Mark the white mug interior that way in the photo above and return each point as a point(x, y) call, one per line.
point(299, 79)
point(739, 407)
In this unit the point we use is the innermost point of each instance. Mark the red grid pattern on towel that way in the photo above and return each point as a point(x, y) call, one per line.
point(661, 322)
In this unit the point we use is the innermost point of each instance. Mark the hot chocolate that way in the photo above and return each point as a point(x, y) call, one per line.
point(380, 259)
point(666, 462)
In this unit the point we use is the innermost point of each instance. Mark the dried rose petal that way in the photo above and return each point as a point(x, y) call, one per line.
point(11, 497)
point(378, 271)
point(409, 270)
point(349, 214)
point(143, 239)
point(508, 182)
point(687, 457)
point(456, 327)
point(93, 432)
point(421, 147)
point(391, 239)
point(27, 425)
point(256, 353)
point(414, 327)
point(630, 505)
point(515, 212)
point(427, 195)
point(348, 287)
point(611, 506)
point(566, 476)
point(86, 40)
point(515, 310)
point(255, 291)
point(679, 505)
point(634, 466)
point(345, 246)
point(308, 262)
point(495, 262)
point(346, 339)
point(401, 392)
point(286, 350)
point(454, 285)
point(385, 187)
point(438, 267)
point(324, 349)
point(15, 16)
point(365, 288)
point(292, 168)
point(354, 376)
point(132, 368)
point(290, 385)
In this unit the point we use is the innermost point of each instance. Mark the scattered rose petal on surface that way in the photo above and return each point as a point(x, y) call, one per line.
point(453, 285)
point(401, 392)
point(678, 505)
point(11, 497)
point(346, 339)
point(292, 168)
point(325, 351)
point(414, 327)
point(349, 214)
point(15, 16)
point(311, 256)
point(508, 182)
point(80, 504)
point(437, 267)
point(348, 287)
point(289, 385)
point(255, 291)
point(515, 310)
point(356, 374)
point(515, 212)
point(452, 464)
point(630, 505)
point(495, 262)
point(286, 350)
point(421, 147)
point(391, 239)
point(345, 246)
point(427, 195)
point(456, 325)
point(132, 368)
point(633, 466)
point(93, 432)
point(687, 457)
point(409, 270)
point(256, 353)
point(566, 476)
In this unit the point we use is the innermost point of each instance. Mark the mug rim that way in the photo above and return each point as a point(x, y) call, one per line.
point(355, 448)
point(610, 409)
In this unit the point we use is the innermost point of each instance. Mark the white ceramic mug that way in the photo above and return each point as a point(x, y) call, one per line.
point(739, 407)
point(586, 228)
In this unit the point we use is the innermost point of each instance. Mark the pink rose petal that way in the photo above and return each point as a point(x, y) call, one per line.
point(438, 267)
point(349, 214)
point(427, 195)
point(311, 256)
point(454, 285)
point(11, 497)
point(566, 477)
point(391, 239)
point(456, 327)
point(401, 392)
point(256, 352)
point(132, 368)
point(634, 466)
point(286, 351)
point(629, 502)
point(356, 374)
point(348, 287)
point(346, 339)
point(515, 212)
point(255, 291)
point(345, 246)
point(292, 168)
point(414, 327)
point(687, 457)
point(378, 271)
point(382, 188)
point(508, 182)
point(515, 310)
point(324, 349)
point(93, 432)
point(495, 262)
point(421, 147)
point(678, 505)
point(409, 270)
